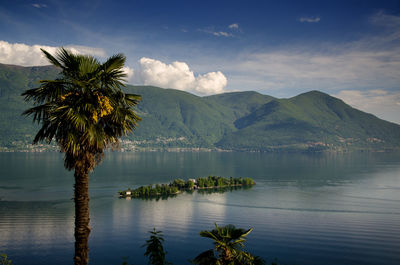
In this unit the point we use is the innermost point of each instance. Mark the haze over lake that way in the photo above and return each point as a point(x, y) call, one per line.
point(305, 209)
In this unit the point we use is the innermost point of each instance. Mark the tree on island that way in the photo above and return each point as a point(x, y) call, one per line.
point(85, 111)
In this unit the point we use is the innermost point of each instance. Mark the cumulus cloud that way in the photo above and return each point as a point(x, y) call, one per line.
point(310, 19)
point(129, 74)
point(31, 55)
point(210, 83)
point(178, 75)
point(383, 103)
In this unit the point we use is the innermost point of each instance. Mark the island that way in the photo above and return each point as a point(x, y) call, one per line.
point(179, 185)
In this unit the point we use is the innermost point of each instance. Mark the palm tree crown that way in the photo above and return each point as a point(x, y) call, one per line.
point(84, 110)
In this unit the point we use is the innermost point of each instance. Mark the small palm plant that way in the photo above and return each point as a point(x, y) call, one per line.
point(154, 249)
point(228, 247)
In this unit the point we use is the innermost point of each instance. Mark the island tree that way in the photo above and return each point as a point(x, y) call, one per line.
point(85, 111)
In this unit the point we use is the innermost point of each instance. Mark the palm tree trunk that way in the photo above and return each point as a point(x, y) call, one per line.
point(82, 228)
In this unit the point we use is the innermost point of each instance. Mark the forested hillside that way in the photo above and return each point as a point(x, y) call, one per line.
point(245, 121)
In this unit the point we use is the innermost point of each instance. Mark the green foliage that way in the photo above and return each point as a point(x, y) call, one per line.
point(4, 260)
point(178, 185)
point(228, 247)
point(190, 184)
point(151, 191)
point(214, 181)
point(154, 249)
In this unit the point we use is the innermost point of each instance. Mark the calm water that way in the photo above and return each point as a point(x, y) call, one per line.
point(305, 209)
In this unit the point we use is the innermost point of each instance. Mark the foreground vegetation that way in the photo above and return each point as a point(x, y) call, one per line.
point(228, 249)
point(179, 185)
point(4, 260)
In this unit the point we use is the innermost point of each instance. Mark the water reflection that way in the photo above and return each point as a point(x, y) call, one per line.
point(304, 207)
point(36, 227)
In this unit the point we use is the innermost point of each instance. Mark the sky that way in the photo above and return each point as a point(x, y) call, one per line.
point(348, 49)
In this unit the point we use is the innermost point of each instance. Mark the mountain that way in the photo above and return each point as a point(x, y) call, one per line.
point(245, 121)
point(14, 128)
point(310, 121)
point(171, 114)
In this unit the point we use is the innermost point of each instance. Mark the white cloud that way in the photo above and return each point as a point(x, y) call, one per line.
point(234, 26)
point(36, 5)
point(334, 69)
point(78, 49)
point(370, 62)
point(129, 74)
point(31, 55)
point(385, 20)
point(178, 75)
point(210, 83)
point(310, 19)
point(222, 34)
point(216, 33)
point(384, 104)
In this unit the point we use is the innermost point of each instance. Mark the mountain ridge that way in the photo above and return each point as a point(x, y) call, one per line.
point(242, 121)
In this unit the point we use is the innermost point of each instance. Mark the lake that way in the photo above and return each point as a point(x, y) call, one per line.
point(305, 209)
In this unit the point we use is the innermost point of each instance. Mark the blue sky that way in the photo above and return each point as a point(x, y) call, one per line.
point(349, 49)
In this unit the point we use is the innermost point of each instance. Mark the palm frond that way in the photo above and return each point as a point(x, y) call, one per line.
point(39, 112)
point(48, 90)
point(116, 61)
point(52, 59)
point(69, 61)
point(88, 66)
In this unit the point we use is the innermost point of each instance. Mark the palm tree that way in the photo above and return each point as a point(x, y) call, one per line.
point(85, 111)
point(228, 245)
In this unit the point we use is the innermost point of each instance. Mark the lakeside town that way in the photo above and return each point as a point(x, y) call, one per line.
point(160, 143)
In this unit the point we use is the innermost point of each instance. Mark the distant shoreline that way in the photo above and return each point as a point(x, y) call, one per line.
point(52, 149)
